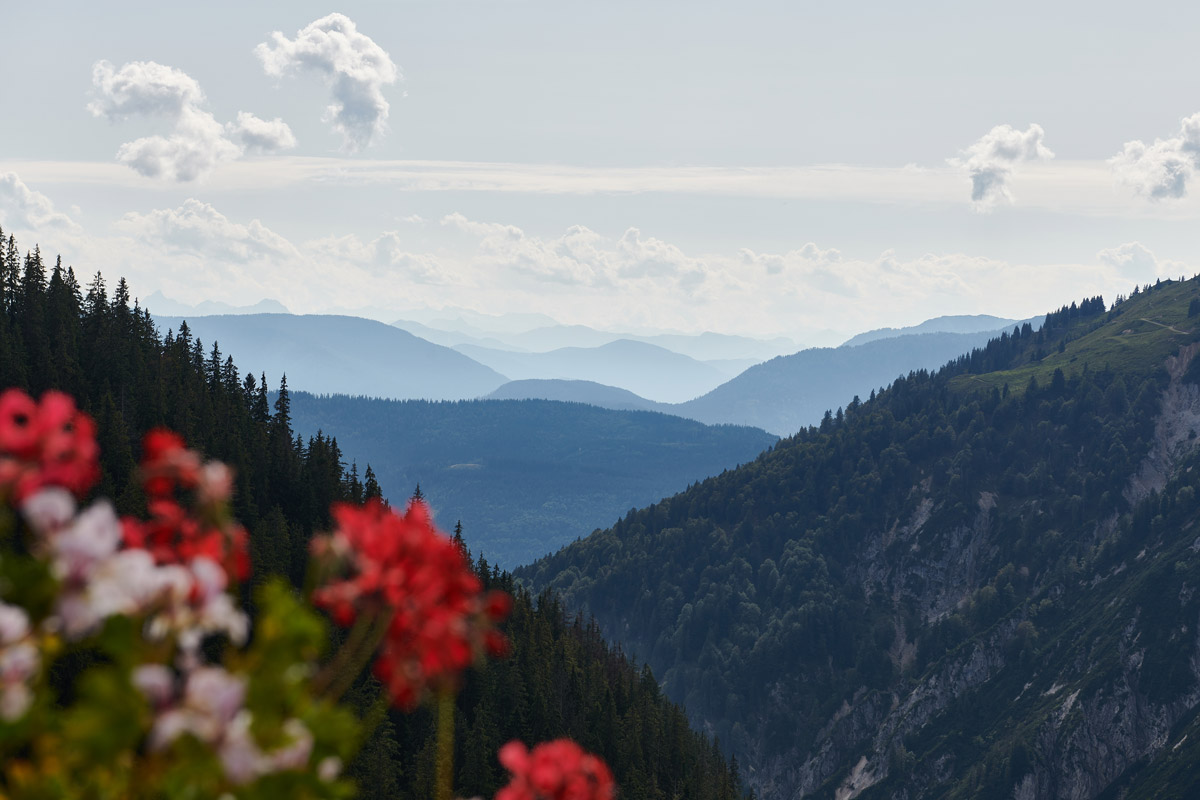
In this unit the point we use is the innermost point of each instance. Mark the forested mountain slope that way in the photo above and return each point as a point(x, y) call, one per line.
point(562, 678)
point(980, 583)
point(526, 476)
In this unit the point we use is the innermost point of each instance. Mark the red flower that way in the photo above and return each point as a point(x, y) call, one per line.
point(167, 464)
point(558, 770)
point(401, 565)
point(50, 443)
point(176, 534)
point(174, 537)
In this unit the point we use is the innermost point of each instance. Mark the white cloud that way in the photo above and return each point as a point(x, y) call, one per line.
point(1136, 262)
point(193, 149)
point(580, 256)
point(24, 208)
point(354, 66)
point(260, 135)
point(385, 256)
point(198, 228)
point(990, 162)
point(649, 257)
point(1161, 170)
point(197, 143)
point(142, 87)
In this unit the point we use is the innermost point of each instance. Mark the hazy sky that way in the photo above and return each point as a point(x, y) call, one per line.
point(750, 167)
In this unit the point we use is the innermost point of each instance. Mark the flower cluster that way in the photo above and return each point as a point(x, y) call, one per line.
point(400, 566)
point(188, 505)
point(212, 709)
point(140, 598)
point(558, 770)
point(99, 580)
point(49, 443)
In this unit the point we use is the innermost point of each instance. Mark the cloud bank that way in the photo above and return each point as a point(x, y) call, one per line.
point(577, 274)
point(197, 143)
point(1138, 263)
point(199, 228)
point(23, 208)
point(1162, 170)
point(353, 65)
point(990, 162)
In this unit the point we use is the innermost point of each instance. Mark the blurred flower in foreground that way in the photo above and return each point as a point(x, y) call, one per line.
point(47, 443)
point(557, 770)
point(401, 567)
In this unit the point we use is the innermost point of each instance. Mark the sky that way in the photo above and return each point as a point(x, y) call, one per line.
point(799, 169)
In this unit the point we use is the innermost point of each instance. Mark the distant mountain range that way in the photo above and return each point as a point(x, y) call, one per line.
point(590, 392)
point(336, 354)
point(161, 304)
point(645, 369)
point(327, 354)
point(524, 477)
point(961, 323)
point(786, 393)
point(707, 346)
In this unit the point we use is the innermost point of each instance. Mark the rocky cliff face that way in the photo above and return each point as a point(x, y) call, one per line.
point(1088, 708)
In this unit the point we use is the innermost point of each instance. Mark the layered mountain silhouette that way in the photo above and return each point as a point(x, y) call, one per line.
point(326, 354)
point(648, 370)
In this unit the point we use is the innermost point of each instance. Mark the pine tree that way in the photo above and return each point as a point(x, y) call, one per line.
point(371, 488)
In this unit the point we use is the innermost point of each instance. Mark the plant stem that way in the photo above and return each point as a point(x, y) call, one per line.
point(445, 745)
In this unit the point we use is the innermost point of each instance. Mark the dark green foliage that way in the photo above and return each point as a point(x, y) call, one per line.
point(562, 679)
point(526, 476)
point(833, 568)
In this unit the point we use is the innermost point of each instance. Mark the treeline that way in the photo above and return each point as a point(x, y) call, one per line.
point(562, 679)
point(107, 353)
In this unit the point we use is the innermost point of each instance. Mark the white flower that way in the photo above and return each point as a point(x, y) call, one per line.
point(156, 682)
point(243, 760)
point(14, 624)
point(215, 482)
point(128, 582)
point(48, 509)
point(15, 700)
point(241, 757)
point(212, 698)
point(295, 754)
point(329, 768)
point(19, 661)
point(203, 607)
point(212, 710)
point(94, 536)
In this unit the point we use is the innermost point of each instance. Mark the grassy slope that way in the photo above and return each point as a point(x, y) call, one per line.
point(1133, 338)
